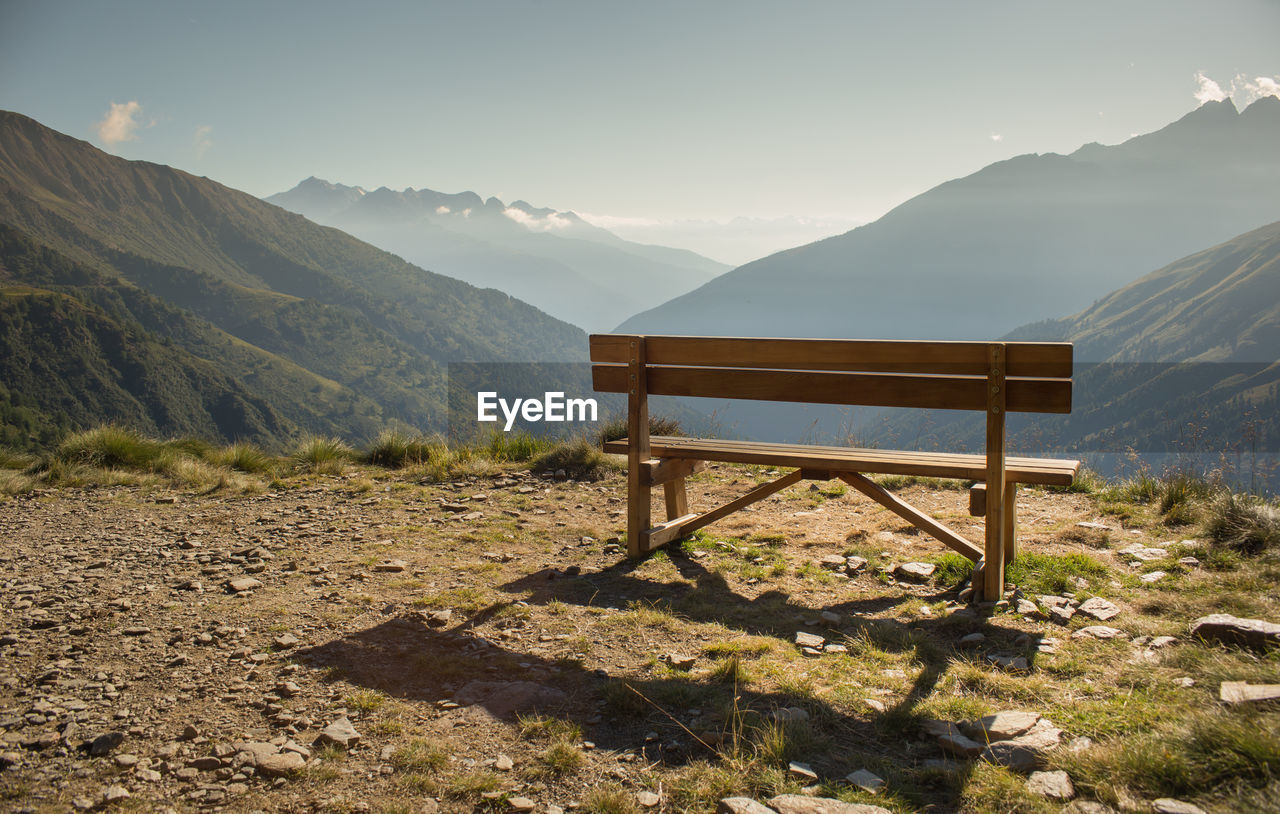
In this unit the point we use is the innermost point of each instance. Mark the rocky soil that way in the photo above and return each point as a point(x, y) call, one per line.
point(367, 643)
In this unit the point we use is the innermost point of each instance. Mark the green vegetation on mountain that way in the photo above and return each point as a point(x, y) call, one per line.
point(224, 300)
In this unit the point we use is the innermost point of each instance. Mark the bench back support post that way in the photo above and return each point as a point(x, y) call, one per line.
point(992, 588)
point(638, 453)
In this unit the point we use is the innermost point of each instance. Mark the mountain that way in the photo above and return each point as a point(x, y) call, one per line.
point(1021, 240)
point(193, 308)
point(1184, 360)
point(555, 260)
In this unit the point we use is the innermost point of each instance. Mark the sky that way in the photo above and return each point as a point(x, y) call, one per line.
point(725, 125)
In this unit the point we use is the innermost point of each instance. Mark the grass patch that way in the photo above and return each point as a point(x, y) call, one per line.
point(609, 798)
point(1244, 523)
point(396, 450)
point(323, 456)
point(616, 428)
point(419, 756)
point(1054, 573)
point(516, 447)
point(579, 460)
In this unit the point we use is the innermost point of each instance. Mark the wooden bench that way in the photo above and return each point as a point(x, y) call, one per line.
point(994, 377)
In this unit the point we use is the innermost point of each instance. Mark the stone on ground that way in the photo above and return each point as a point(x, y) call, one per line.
point(1242, 692)
point(1230, 629)
point(866, 780)
point(1002, 726)
point(281, 764)
point(809, 640)
point(800, 804)
point(1098, 632)
point(1098, 608)
point(915, 571)
point(339, 733)
point(1056, 785)
point(742, 805)
point(1168, 805)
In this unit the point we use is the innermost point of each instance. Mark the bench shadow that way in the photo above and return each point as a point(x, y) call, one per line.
point(473, 679)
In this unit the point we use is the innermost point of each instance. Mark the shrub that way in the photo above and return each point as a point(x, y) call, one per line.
point(110, 447)
point(1245, 523)
point(323, 456)
point(395, 450)
point(579, 459)
point(244, 458)
point(516, 447)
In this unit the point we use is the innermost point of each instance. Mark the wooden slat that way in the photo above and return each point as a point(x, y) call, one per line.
point(1010, 522)
point(821, 387)
point(676, 498)
point(911, 514)
point(1033, 359)
point(1044, 471)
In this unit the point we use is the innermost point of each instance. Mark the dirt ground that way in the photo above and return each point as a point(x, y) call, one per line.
point(487, 639)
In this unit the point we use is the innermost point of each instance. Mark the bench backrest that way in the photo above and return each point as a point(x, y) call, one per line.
point(1029, 376)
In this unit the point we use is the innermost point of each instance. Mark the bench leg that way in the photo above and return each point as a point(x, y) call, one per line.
point(1010, 522)
point(639, 511)
point(676, 498)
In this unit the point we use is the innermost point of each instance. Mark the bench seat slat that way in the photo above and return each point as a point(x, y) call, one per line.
point(826, 387)
point(1043, 471)
point(1029, 359)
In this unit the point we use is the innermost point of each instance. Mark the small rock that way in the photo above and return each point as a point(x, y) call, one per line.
point(802, 804)
point(1242, 692)
point(833, 562)
point(866, 780)
point(503, 763)
point(1161, 641)
point(281, 764)
point(285, 641)
point(391, 566)
point(103, 744)
point(1061, 614)
point(853, 565)
point(1153, 576)
point(1098, 608)
point(1098, 632)
point(1001, 726)
point(803, 770)
point(1168, 805)
point(681, 662)
point(1087, 524)
point(1056, 785)
point(1223, 627)
point(339, 733)
point(834, 648)
point(972, 640)
point(915, 571)
point(1185, 681)
point(809, 640)
point(521, 804)
point(1189, 562)
point(1144, 554)
point(790, 715)
point(647, 799)
point(957, 743)
point(115, 794)
point(1027, 608)
point(242, 584)
point(742, 805)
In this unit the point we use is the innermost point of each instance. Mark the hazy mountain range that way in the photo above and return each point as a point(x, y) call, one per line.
point(1021, 240)
point(134, 292)
point(555, 260)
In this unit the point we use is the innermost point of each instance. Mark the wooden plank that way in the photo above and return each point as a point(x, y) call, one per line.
point(978, 500)
point(1045, 471)
point(756, 494)
point(676, 499)
point(1034, 359)
point(638, 497)
point(824, 387)
point(993, 578)
point(661, 471)
point(673, 529)
point(911, 514)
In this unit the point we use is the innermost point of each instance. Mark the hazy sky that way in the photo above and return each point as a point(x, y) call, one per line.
point(654, 111)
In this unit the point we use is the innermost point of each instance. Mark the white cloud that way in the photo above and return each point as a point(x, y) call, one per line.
point(119, 124)
point(550, 222)
point(1246, 91)
point(1207, 90)
point(442, 210)
point(1243, 91)
point(996, 137)
point(201, 141)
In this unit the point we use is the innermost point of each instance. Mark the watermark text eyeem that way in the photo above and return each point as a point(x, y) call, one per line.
point(552, 407)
